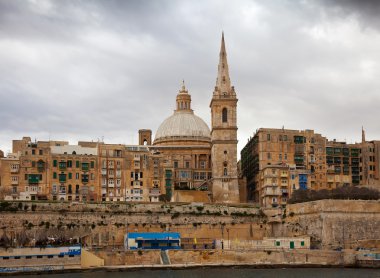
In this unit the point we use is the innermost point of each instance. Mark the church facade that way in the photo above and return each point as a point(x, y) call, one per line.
point(199, 158)
point(186, 161)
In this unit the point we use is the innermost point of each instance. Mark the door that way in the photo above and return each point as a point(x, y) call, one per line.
point(292, 245)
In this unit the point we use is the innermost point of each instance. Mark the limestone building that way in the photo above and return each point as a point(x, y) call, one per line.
point(184, 156)
point(312, 162)
point(184, 141)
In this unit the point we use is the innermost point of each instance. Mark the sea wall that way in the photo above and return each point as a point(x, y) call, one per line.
point(106, 224)
point(333, 223)
point(330, 223)
point(230, 257)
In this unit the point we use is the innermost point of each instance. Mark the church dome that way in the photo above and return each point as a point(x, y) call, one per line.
point(183, 124)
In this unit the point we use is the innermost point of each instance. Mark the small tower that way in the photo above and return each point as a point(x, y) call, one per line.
point(145, 137)
point(223, 105)
point(363, 135)
point(183, 99)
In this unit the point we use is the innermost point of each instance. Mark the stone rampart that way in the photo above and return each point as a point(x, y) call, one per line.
point(333, 223)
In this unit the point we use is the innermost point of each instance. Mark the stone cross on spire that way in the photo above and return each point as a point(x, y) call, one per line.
point(223, 82)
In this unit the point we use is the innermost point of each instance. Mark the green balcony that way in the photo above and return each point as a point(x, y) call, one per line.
point(62, 178)
point(40, 165)
point(329, 160)
point(355, 152)
point(34, 178)
point(299, 139)
point(85, 166)
point(337, 151)
point(62, 165)
point(168, 174)
point(337, 160)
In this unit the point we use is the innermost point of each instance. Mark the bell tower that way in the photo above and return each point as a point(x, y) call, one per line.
point(225, 188)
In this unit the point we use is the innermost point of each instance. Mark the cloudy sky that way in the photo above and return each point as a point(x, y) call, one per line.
point(86, 70)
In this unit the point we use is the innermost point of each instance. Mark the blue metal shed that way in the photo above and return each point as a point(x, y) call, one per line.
point(162, 241)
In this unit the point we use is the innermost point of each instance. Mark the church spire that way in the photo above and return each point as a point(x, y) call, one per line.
point(223, 83)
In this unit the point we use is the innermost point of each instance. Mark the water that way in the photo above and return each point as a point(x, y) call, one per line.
point(225, 273)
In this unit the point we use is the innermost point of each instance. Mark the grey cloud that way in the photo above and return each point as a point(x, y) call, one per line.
point(80, 70)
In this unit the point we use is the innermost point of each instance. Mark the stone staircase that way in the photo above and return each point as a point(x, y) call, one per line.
point(165, 258)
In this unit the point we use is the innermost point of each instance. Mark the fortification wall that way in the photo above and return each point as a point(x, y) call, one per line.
point(333, 223)
point(104, 224)
point(330, 223)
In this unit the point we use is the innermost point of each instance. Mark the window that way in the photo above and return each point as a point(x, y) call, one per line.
point(302, 243)
point(268, 137)
point(92, 164)
point(33, 152)
point(286, 156)
point(202, 164)
point(77, 176)
point(69, 164)
point(77, 164)
point(187, 164)
point(268, 155)
point(70, 176)
point(175, 164)
point(280, 156)
point(225, 172)
point(40, 152)
point(54, 175)
point(224, 115)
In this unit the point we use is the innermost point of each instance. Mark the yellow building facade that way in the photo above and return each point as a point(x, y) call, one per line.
point(311, 161)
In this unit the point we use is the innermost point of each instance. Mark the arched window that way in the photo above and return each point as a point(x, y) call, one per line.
point(224, 115)
point(145, 142)
point(225, 172)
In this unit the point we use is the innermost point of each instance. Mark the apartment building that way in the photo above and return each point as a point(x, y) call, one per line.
point(89, 171)
point(313, 162)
